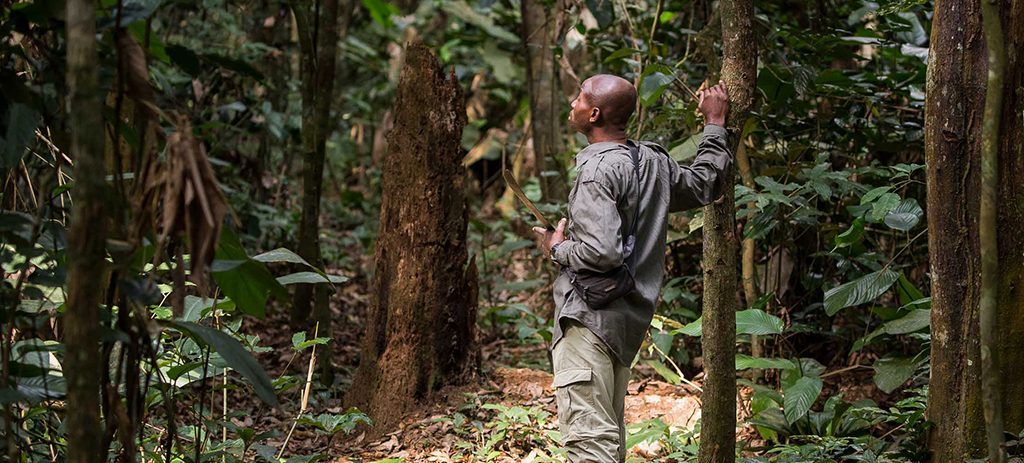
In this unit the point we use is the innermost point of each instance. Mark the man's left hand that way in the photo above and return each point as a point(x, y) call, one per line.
point(549, 238)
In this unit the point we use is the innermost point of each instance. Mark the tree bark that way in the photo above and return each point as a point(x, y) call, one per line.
point(538, 33)
point(987, 231)
point(718, 343)
point(1010, 304)
point(87, 236)
point(420, 332)
point(953, 107)
point(317, 26)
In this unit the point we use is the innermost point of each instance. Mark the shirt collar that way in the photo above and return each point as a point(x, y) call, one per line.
point(594, 149)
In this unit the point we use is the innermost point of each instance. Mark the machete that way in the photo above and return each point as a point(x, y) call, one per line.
point(511, 182)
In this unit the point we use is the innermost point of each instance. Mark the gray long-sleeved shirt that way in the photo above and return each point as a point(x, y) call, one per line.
point(601, 208)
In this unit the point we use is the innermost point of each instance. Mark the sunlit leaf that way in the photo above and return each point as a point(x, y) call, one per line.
point(859, 291)
point(798, 398)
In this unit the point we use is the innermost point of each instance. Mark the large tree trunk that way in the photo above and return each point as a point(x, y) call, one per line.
point(317, 25)
point(1010, 318)
point(545, 97)
point(420, 333)
point(86, 252)
point(953, 108)
point(718, 343)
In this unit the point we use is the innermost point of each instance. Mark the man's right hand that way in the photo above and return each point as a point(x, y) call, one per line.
point(714, 104)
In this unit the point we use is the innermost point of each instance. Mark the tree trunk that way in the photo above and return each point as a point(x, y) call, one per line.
point(317, 25)
point(953, 106)
point(1010, 303)
point(718, 343)
point(420, 332)
point(545, 98)
point(990, 376)
point(86, 252)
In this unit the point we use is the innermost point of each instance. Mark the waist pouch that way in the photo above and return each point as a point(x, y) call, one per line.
point(599, 289)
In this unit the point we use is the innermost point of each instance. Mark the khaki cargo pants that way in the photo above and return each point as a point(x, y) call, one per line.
point(590, 392)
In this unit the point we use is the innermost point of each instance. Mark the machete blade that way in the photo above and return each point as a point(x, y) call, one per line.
point(510, 180)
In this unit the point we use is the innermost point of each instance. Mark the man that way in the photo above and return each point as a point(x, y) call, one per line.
point(592, 349)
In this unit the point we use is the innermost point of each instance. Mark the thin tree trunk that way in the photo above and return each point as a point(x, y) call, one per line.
point(317, 26)
point(987, 231)
point(953, 108)
point(718, 343)
point(86, 252)
point(747, 257)
point(420, 333)
point(1011, 220)
point(545, 103)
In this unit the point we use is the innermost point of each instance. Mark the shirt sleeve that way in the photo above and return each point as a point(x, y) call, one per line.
point(595, 243)
point(703, 181)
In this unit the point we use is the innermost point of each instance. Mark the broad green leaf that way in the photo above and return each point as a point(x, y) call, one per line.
point(756, 321)
point(280, 255)
point(465, 12)
point(851, 235)
point(874, 194)
point(686, 150)
point(234, 354)
point(381, 11)
point(907, 292)
point(248, 284)
point(310, 277)
point(665, 372)
point(885, 204)
point(913, 321)
point(746, 362)
point(798, 398)
point(891, 373)
point(621, 53)
point(40, 388)
point(750, 321)
point(859, 291)
point(652, 86)
point(15, 139)
point(905, 216)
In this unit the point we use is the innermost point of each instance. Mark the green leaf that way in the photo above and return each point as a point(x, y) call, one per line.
point(281, 255)
point(380, 11)
point(248, 284)
point(310, 277)
point(905, 216)
point(665, 372)
point(465, 12)
point(859, 291)
point(851, 235)
point(22, 121)
point(907, 292)
point(913, 321)
point(652, 86)
point(874, 194)
point(885, 204)
point(756, 321)
point(40, 388)
point(799, 397)
point(686, 150)
point(746, 362)
point(234, 354)
point(750, 321)
point(891, 373)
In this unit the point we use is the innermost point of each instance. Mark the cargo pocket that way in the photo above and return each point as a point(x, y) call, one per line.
point(574, 399)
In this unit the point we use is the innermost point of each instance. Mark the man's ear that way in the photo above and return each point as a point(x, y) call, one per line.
point(595, 114)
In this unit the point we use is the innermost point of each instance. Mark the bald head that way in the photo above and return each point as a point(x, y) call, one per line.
point(615, 96)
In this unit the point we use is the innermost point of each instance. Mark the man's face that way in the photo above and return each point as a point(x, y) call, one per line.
point(581, 110)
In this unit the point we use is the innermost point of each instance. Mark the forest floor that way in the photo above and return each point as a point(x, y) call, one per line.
point(507, 415)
